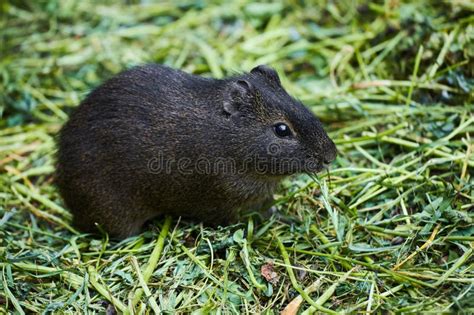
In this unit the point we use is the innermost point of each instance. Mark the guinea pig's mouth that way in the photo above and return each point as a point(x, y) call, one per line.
point(313, 165)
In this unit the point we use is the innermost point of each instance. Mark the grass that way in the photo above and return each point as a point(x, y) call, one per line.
point(388, 229)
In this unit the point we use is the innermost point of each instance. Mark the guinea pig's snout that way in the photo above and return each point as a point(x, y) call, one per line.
point(329, 152)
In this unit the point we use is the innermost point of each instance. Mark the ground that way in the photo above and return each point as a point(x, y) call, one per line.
point(388, 229)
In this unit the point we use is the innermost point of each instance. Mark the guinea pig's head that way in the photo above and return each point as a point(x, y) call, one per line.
point(280, 135)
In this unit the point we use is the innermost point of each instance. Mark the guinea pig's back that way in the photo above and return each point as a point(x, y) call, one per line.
point(130, 112)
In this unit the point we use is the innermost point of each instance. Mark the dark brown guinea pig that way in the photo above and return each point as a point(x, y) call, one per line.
point(154, 140)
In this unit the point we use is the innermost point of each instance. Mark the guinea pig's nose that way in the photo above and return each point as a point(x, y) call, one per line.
point(330, 154)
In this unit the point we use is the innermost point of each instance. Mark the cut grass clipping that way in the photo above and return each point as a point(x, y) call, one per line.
point(389, 228)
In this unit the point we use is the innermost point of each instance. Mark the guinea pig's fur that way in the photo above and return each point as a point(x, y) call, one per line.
point(155, 140)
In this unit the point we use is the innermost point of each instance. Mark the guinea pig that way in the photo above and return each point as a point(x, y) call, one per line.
point(157, 141)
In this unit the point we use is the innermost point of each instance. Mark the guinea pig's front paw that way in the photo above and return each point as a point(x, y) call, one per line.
point(278, 215)
point(263, 213)
point(273, 210)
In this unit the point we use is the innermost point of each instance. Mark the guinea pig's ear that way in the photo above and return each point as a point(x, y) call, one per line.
point(239, 92)
point(269, 73)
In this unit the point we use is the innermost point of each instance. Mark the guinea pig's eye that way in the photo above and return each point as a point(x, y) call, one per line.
point(282, 130)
